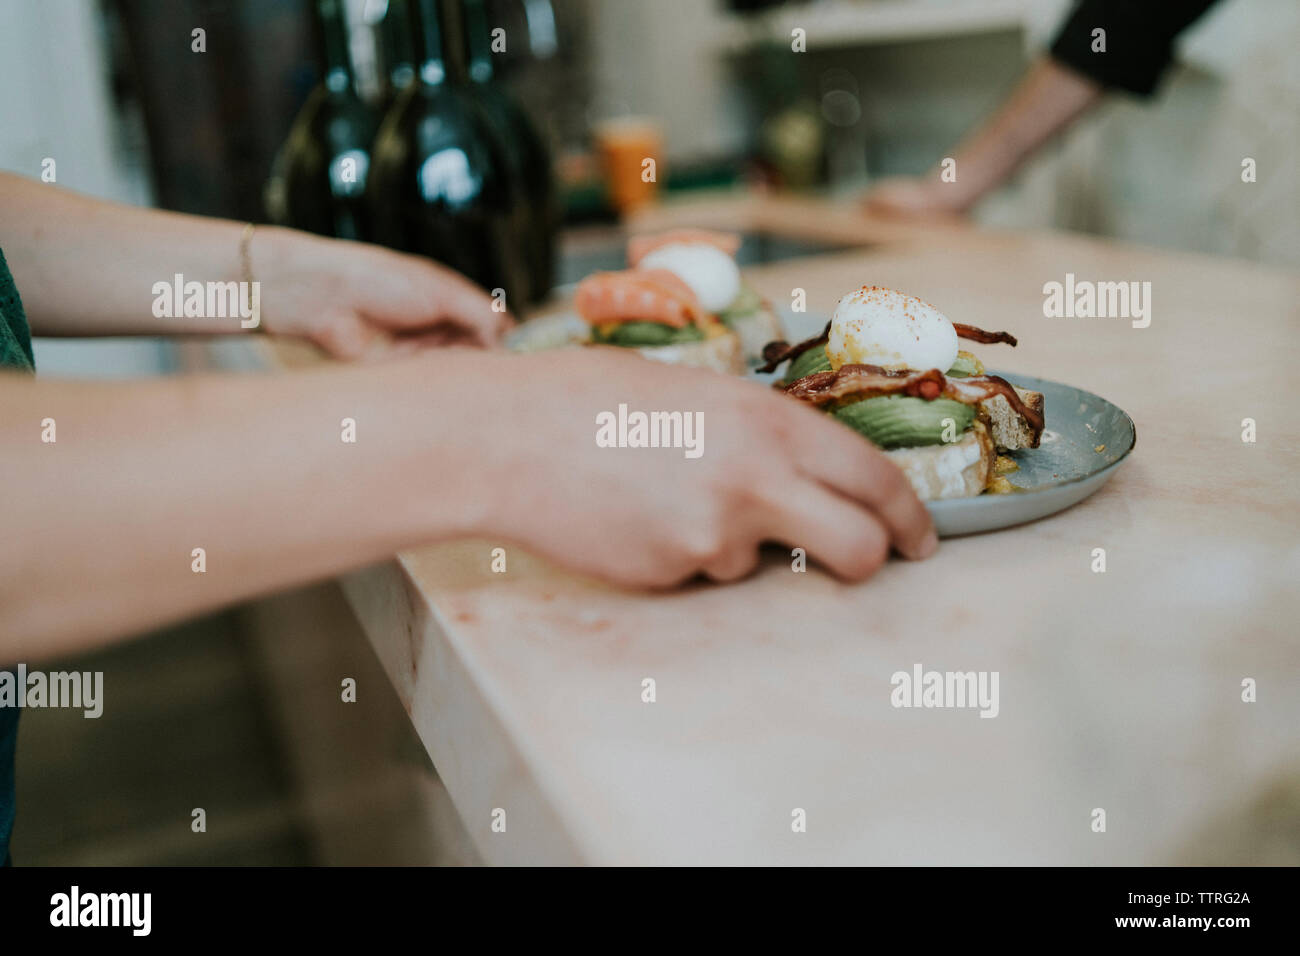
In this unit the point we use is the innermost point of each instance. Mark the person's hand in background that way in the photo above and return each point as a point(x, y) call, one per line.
point(1049, 98)
point(916, 198)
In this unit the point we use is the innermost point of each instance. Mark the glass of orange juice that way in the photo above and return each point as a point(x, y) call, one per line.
point(630, 149)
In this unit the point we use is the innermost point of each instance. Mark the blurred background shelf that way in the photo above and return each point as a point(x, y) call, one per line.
point(848, 23)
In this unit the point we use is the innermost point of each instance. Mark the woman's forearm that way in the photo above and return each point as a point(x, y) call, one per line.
point(100, 526)
point(89, 267)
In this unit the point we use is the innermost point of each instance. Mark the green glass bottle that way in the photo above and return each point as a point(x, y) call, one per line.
point(526, 151)
point(440, 183)
point(327, 157)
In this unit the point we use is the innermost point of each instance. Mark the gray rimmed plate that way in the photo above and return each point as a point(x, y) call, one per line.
point(1085, 440)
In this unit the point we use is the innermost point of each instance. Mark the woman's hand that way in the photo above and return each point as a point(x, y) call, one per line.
point(356, 300)
point(769, 469)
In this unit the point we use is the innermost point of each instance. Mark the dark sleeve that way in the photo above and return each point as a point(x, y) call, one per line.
point(1139, 39)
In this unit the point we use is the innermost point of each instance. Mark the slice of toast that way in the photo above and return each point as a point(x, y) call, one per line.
point(719, 351)
point(960, 469)
point(1009, 431)
point(554, 331)
point(755, 329)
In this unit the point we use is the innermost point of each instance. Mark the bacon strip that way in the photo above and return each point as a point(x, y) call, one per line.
point(979, 335)
point(865, 381)
point(774, 353)
point(868, 381)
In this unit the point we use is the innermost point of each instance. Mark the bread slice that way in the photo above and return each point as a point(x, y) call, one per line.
point(1011, 432)
point(755, 329)
point(554, 331)
point(719, 351)
point(960, 469)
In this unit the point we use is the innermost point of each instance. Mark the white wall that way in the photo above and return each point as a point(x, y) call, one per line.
point(1164, 171)
point(56, 104)
point(660, 58)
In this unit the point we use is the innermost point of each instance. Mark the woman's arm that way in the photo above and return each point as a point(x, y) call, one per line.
point(88, 267)
point(1049, 98)
point(100, 525)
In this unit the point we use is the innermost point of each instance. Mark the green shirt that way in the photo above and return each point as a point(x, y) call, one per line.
point(15, 339)
point(15, 352)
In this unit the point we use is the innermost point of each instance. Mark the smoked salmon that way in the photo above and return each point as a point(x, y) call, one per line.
point(640, 295)
point(638, 247)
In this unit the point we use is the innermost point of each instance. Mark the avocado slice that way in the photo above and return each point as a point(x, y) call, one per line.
point(813, 360)
point(645, 334)
point(747, 301)
point(901, 421)
point(965, 366)
point(816, 360)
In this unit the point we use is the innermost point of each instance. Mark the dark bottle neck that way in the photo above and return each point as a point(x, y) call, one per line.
point(332, 19)
point(478, 40)
point(439, 59)
point(399, 49)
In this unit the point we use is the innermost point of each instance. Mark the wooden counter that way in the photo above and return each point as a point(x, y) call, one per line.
point(1119, 690)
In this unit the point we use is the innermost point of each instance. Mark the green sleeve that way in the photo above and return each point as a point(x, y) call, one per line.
point(15, 338)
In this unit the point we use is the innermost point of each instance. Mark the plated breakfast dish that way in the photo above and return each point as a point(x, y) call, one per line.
point(657, 313)
point(682, 300)
point(889, 366)
point(705, 260)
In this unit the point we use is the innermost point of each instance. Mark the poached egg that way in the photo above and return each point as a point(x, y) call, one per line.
point(877, 326)
point(712, 274)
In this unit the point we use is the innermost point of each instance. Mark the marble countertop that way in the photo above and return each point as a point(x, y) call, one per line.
point(1120, 691)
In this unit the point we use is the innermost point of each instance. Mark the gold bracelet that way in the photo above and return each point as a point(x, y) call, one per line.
point(246, 264)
